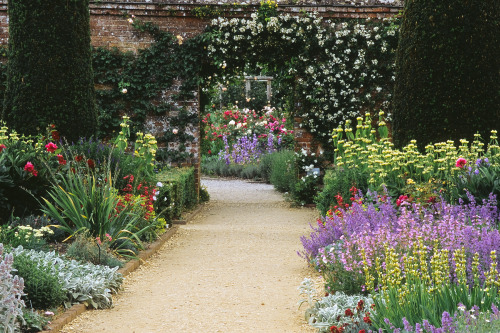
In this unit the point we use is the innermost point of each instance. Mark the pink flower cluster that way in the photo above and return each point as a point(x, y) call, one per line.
point(30, 168)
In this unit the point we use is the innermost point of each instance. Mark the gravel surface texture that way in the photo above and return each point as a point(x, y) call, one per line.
point(233, 268)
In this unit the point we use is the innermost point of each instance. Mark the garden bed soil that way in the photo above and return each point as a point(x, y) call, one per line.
point(232, 268)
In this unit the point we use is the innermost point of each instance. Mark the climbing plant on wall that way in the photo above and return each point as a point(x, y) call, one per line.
point(134, 85)
point(340, 69)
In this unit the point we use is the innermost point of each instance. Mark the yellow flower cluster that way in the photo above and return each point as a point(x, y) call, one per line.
point(380, 160)
point(405, 272)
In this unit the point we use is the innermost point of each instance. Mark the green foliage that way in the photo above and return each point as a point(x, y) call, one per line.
point(376, 163)
point(447, 80)
point(87, 248)
point(204, 195)
point(132, 85)
point(305, 189)
point(283, 173)
point(49, 78)
point(339, 181)
point(177, 192)
point(420, 304)
point(19, 188)
point(24, 236)
point(82, 202)
point(83, 282)
point(33, 321)
point(41, 286)
point(471, 320)
point(480, 180)
point(338, 279)
point(327, 71)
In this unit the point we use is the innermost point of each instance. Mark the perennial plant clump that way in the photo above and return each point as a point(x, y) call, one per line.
point(11, 291)
point(83, 282)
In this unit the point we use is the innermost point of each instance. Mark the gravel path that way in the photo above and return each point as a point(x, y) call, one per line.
point(233, 268)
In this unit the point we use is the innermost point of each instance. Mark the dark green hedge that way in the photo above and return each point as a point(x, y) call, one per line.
point(448, 71)
point(177, 193)
point(49, 77)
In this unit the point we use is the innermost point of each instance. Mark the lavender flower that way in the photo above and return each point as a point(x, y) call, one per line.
point(371, 222)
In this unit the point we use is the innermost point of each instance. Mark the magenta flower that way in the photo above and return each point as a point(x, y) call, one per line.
point(29, 167)
point(461, 162)
point(51, 147)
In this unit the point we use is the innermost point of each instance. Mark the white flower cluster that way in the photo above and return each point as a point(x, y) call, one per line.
point(342, 69)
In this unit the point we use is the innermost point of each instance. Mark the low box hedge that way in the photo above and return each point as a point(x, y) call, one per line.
point(177, 192)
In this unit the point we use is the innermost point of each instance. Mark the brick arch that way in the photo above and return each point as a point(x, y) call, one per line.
point(110, 28)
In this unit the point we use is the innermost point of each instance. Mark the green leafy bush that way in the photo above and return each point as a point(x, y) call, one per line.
point(25, 236)
point(33, 321)
point(177, 192)
point(204, 195)
point(283, 173)
point(447, 82)
point(86, 248)
point(41, 286)
point(339, 181)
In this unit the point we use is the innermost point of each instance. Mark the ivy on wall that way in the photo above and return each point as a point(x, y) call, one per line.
point(136, 85)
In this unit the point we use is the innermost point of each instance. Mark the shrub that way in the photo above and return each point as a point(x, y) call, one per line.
point(305, 189)
point(33, 321)
point(19, 189)
point(447, 80)
point(86, 248)
point(339, 181)
point(385, 166)
point(49, 79)
point(25, 236)
point(176, 192)
point(422, 289)
point(283, 173)
point(41, 286)
point(204, 195)
point(11, 304)
point(265, 166)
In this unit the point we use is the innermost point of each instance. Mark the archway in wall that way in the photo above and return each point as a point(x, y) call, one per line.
point(328, 72)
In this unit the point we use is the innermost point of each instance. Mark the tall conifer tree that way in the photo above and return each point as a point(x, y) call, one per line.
point(447, 71)
point(49, 78)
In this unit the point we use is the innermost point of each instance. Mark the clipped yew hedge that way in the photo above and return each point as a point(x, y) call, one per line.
point(447, 71)
point(177, 192)
point(49, 76)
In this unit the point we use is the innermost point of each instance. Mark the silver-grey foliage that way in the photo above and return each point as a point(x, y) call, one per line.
point(83, 282)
